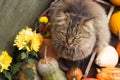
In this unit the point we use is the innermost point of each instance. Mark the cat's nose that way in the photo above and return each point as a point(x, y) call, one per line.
point(69, 42)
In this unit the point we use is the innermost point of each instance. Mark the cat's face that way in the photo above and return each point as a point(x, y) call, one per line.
point(73, 36)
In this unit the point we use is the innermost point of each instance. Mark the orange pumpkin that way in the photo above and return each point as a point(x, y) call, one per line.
point(114, 23)
point(109, 73)
point(41, 38)
point(115, 2)
point(89, 79)
point(118, 49)
point(74, 74)
point(50, 49)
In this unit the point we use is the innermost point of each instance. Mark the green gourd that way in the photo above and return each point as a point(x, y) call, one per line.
point(48, 68)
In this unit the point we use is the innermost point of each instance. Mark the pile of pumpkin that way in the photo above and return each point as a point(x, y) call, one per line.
point(48, 66)
point(114, 23)
point(107, 59)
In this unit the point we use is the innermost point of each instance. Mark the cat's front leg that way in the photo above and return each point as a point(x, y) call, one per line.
point(103, 34)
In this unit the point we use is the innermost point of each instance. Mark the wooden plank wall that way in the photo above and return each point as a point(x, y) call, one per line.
point(14, 16)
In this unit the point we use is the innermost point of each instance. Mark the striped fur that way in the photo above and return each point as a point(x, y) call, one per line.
point(78, 27)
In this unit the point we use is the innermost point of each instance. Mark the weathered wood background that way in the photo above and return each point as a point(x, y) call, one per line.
point(14, 16)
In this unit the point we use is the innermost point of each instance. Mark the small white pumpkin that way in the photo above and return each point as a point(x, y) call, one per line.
point(108, 57)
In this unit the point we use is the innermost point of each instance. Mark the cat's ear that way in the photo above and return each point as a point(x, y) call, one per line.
point(89, 20)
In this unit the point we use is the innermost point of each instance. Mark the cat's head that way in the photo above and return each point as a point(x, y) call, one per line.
point(73, 35)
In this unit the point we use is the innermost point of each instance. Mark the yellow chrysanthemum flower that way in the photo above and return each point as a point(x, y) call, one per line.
point(5, 61)
point(43, 19)
point(27, 39)
point(23, 38)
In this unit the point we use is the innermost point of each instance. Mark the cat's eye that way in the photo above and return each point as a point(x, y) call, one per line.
point(62, 33)
point(80, 36)
point(77, 36)
point(60, 22)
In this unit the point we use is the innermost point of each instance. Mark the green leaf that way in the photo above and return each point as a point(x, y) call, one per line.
point(33, 54)
point(32, 61)
point(16, 67)
point(7, 75)
point(23, 55)
point(29, 74)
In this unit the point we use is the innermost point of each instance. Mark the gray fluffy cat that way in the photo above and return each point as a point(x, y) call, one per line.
point(78, 28)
